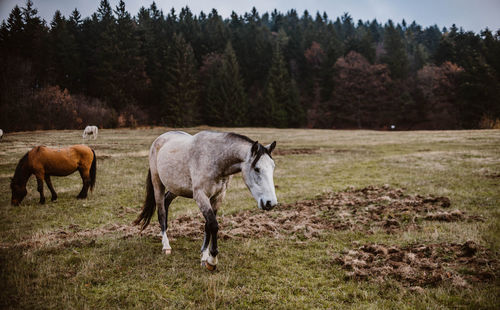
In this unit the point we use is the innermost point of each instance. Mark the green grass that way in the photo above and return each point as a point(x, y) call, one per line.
point(110, 271)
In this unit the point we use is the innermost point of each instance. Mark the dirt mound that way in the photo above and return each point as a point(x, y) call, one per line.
point(493, 175)
point(367, 210)
point(386, 208)
point(74, 235)
point(421, 265)
point(284, 152)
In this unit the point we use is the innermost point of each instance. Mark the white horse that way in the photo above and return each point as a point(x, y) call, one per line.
point(1, 134)
point(90, 130)
point(200, 167)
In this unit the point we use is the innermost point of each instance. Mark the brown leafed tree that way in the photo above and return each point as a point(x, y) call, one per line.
point(361, 95)
point(315, 56)
point(437, 85)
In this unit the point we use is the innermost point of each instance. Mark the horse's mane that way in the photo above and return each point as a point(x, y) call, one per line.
point(261, 150)
point(238, 136)
point(20, 169)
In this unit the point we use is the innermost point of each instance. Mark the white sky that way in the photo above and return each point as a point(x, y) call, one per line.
point(472, 15)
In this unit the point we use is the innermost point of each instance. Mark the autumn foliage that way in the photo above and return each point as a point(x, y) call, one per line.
point(273, 69)
point(361, 97)
point(438, 87)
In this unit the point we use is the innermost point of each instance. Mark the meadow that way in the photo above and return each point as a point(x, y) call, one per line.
point(351, 202)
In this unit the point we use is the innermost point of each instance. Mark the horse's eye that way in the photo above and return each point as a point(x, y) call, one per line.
point(256, 170)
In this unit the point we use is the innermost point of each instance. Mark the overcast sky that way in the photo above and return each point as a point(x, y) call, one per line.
point(472, 15)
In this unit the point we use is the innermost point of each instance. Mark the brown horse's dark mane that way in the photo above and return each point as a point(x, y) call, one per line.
point(22, 171)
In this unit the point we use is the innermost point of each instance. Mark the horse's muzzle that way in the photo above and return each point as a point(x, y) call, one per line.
point(267, 205)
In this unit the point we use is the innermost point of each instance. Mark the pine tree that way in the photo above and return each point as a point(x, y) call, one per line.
point(129, 78)
point(214, 34)
point(100, 54)
point(15, 75)
point(224, 98)
point(395, 52)
point(64, 53)
point(74, 26)
point(276, 93)
point(12, 32)
point(34, 42)
point(181, 92)
point(281, 107)
point(154, 39)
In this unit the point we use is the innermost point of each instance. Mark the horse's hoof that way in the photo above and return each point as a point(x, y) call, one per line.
point(208, 266)
point(168, 251)
point(53, 199)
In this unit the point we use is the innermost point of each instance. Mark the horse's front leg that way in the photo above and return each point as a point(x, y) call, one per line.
point(204, 246)
point(39, 181)
point(209, 253)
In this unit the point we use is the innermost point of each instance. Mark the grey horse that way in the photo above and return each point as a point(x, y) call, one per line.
point(200, 167)
point(90, 130)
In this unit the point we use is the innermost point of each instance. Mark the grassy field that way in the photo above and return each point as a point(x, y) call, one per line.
point(84, 254)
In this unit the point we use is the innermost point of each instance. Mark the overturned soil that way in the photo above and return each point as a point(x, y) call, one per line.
point(284, 152)
point(420, 265)
point(311, 151)
point(366, 210)
point(493, 175)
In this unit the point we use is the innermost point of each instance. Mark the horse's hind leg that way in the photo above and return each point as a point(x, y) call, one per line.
point(51, 188)
point(84, 173)
point(163, 219)
point(39, 182)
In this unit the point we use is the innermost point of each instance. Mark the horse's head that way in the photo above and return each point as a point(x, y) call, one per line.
point(257, 170)
point(18, 193)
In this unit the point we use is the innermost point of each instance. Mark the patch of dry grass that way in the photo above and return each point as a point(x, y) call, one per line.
point(103, 263)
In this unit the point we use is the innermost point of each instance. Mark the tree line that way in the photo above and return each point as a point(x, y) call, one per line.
point(273, 69)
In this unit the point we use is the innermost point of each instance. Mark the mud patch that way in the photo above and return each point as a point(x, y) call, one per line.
point(106, 155)
point(386, 208)
point(493, 175)
point(312, 151)
point(72, 236)
point(284, 152)
point(421, 265)
point(368, 210)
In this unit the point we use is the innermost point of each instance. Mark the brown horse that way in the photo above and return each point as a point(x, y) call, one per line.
point(44, 162)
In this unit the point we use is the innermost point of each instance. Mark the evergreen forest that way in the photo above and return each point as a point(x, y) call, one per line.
point(271, 69)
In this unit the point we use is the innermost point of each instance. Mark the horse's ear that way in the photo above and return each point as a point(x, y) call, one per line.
point(271, 147)
point(255, 147)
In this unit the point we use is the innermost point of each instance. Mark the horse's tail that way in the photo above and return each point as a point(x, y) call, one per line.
point(149, 204)
point(92, 172)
